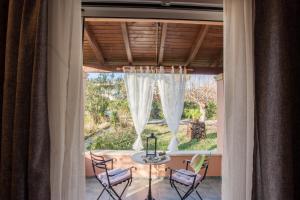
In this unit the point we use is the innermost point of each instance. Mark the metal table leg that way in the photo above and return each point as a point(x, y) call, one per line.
point(150, 180)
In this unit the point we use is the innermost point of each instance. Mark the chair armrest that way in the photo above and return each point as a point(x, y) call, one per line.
point(188, 162)
point(112, 160)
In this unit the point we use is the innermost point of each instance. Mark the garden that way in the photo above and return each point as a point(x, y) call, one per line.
point(108, 124)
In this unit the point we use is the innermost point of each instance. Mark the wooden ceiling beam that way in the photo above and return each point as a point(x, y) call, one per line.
point(197, 44)
point(94, 45)
point(119, 69)
point(162, 43)
point(126, 42)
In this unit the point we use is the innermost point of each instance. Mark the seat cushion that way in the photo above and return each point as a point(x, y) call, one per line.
point(183, 177)
point(197, 162)
point(120, 176)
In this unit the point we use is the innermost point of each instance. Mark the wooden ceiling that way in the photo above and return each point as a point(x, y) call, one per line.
point(111, 44)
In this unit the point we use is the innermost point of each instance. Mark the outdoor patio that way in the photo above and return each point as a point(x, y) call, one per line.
point(210, 189)
point(142, 50)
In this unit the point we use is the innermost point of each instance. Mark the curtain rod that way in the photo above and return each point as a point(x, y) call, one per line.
point(157, 69)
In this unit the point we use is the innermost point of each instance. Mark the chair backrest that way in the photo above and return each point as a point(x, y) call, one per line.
point(97, 162)
point(197, 162)
point(96, 157)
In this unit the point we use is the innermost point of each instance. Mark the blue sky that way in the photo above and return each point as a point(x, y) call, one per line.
point(95, 75)
point(193, 79)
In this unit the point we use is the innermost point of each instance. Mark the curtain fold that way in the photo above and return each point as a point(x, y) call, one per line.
point(65, 97)
point(3, 28)
point(139, 86)
point(277, 140)
point(172, 93)
point(239, 100)
point(25, 153)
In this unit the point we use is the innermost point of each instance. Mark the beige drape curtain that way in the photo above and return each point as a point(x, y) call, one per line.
point(65, 100)
point(237, 163)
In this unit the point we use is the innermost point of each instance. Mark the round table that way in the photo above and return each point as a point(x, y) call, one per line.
point(139, 158)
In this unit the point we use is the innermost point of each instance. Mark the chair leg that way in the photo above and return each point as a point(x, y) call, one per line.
point(100, 194)
point(188, 193)
point(199, 195)
point(171, 183)
point(127, 184)
point(130, 182)
point(116, 194)
point(110, 194)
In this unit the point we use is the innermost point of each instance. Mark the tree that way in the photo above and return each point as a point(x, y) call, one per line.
point(98, 94)
point(202, 95)
point(96, 104)
point(156, 111)
point(106, 99)
point(119, 90)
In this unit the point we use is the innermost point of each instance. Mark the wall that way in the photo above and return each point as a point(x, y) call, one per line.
point(123, 160)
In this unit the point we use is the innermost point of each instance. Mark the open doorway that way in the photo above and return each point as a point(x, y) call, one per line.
point(112, 43)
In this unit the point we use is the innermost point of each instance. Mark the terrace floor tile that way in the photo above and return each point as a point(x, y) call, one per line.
point(210, 189)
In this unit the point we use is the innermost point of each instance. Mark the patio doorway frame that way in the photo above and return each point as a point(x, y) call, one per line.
point(198, 12)
point(192, 10)
point(187, 12)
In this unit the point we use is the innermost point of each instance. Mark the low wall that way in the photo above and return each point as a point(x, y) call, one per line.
point(123, 160)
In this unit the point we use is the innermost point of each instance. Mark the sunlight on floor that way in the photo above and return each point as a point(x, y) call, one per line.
point(161, 190)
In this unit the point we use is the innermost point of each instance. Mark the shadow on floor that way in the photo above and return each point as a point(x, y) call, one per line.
point(210, 189)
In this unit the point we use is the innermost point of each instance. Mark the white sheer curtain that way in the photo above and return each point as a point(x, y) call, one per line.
point(172, 90)
point(239, 100)
point(139, 86)
point(65, 100)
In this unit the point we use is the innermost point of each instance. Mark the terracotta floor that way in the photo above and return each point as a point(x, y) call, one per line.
point(210, 189)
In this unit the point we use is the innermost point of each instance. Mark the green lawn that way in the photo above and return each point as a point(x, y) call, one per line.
point(164, 136)
point(123, 138)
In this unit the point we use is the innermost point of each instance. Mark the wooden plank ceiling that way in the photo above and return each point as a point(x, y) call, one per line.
point(110, 45)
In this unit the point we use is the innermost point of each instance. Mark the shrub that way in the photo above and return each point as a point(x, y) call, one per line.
point(191, 110)
point(112, 140)
point(114, 118)
point(190, 104)
point(211, 110)
point(193, 114)
point(156, 111)
point(119, 112)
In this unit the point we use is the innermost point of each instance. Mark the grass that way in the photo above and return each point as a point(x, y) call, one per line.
point(164, 136)
point(122, 139)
